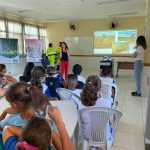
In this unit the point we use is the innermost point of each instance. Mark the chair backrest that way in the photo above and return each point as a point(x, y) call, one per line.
point(107, 88)
point(64, 94)
point(99, 117)
point(76, 99)
point(24, 78)
point(52, 84)
point(80, 85)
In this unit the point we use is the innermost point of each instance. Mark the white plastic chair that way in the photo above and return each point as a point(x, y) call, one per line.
point(64, 94)
point(107, 91)
point(99, 117)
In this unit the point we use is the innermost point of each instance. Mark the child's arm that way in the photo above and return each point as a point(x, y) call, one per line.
point(54, 113)
point(5, 112)
point(2, 92)
point(11, 131)
point(10, 79)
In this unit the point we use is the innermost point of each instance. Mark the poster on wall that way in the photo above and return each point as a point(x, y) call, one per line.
point(9, 51)
point(34, 49)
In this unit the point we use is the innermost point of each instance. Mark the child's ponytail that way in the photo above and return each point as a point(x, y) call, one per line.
point(90, 90)
point(24, 96)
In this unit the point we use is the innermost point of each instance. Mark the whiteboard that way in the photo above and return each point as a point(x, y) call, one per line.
point(80, 45)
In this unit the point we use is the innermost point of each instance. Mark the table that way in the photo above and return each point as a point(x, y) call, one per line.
point(124, 65)
point(69, 114)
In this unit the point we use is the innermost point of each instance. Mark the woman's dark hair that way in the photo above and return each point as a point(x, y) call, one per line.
point(37, 73)
point(141, 41)
point(37, 133)
point(28, 68)
point(90, 89)
point(60, 44)
point(77, 69)
point(24, 96)
point(66, 46)
point(2, 66)
point(50, 44)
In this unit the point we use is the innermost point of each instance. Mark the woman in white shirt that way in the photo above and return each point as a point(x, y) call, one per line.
point(138, 63)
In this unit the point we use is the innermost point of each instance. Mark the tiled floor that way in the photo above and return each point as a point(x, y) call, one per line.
point(130, 134)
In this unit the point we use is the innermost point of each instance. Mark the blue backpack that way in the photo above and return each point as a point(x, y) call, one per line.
point(52, 84)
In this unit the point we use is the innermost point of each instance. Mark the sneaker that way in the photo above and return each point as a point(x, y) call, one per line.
point(135, 94)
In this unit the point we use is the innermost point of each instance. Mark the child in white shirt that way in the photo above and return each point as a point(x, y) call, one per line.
point(91, 96)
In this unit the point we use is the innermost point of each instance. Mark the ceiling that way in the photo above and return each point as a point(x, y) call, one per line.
point(57, 10)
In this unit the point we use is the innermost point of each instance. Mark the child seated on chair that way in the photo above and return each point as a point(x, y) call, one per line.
point(52, 73)
point(77, 69)
point(38, 80)
point(106, 77)
point(72, 83)
point(25, 101)
point(91, 96)
point(45, 61)
point(37, 134)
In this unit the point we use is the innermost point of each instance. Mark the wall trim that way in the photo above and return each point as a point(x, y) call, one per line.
point(100, 55)
point(146, 64)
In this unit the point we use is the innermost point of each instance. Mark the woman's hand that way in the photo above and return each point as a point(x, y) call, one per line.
point(134, 55)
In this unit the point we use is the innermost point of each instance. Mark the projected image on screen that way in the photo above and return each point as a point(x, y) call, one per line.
point(115, 42)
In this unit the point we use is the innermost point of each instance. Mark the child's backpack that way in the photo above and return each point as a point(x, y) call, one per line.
point(52, 84)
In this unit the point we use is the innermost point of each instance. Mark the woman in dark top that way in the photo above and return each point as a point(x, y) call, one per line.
point(64, 57)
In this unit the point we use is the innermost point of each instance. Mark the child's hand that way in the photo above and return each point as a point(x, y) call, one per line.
point(54, 113)
point(4, 80)
point(9, 111)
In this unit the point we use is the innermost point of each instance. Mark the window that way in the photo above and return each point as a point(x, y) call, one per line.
point(42, 33)
point(21, 31)
point(2, 28)
point(15, 31)
point(31, 32)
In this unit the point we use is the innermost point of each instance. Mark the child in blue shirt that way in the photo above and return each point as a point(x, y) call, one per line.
point(44, 61)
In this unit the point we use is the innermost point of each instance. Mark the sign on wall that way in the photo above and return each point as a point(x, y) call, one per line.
point(9, 50)
point(34, 49)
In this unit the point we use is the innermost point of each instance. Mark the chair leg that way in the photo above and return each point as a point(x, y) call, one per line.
point(85, 145)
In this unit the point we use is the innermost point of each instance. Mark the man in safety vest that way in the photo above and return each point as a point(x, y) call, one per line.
point(50, 53)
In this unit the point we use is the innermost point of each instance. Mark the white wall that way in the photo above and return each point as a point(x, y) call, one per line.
point(18, 68)
point(93, 63)
point(87, 63)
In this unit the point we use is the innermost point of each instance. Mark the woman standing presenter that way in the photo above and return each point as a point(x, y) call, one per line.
point(64, 57)
point(138, 63)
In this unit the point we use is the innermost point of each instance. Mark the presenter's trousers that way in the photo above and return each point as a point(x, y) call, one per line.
point(64, 65)
point(138, 68)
